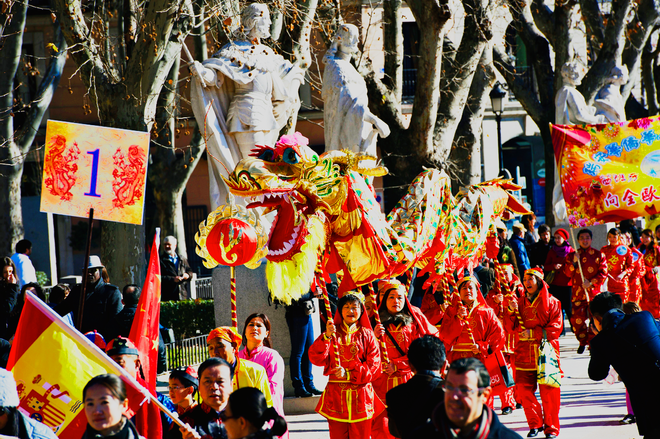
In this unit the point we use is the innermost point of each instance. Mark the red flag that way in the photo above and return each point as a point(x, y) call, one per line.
point(52, 362)
point(145, 329)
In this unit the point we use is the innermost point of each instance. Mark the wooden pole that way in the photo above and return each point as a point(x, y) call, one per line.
point(234, 317)
point(577, 255)
point(83, 287)
point(328, 312)
point(383, 347)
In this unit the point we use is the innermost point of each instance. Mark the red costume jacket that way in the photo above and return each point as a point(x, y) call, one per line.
point(543, 313)
point(351, 399)
point(501, 311)
point(594, 268)
point(635, 279)
point(619, 260)
point(651, 260)
point(486, 328)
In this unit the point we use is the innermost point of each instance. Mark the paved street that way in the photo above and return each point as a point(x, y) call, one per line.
point(589, 409)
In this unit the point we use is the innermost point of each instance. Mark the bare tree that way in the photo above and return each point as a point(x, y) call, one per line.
point(16, 140)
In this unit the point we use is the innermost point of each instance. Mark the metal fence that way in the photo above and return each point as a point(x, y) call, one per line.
point(204, 288)
point(186, 352)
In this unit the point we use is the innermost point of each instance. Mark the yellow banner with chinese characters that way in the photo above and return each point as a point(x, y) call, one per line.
point(88, 166)
point(609, 172)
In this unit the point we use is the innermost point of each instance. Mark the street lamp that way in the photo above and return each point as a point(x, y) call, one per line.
point(497, 98)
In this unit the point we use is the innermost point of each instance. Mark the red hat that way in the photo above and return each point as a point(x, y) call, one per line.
point(225, 333)
point(121, 346)
point(96, 338)
point(188, 374)
point(563, 233)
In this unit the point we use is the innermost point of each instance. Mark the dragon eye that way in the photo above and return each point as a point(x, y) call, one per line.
point(267, 155)
point(290, 156)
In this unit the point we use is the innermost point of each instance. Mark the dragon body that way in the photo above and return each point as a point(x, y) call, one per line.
point(326, 211)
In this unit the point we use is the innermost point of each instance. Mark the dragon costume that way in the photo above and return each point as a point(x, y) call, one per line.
point(326, 212)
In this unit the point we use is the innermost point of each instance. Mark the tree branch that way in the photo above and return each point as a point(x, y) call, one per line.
point(639, 31)
point(393, 47)
point(544, 19)
point(593, 19)
point(10, 57)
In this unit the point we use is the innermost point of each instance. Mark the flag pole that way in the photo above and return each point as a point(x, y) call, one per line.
point(83, 288)
point(577, 254)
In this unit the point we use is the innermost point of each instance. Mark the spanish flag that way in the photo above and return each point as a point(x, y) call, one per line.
point(52, 362)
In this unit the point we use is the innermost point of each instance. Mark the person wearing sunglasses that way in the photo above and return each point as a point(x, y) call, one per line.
point(247, 413)
point(12, 421)
point(464, 413)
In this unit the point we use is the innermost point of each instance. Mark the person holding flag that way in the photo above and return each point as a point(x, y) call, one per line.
point(619, 264)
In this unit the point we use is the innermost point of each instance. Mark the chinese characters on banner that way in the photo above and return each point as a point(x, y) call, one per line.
point(96, 167)
point(609, 172)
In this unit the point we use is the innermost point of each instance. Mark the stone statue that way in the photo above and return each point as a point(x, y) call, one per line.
point(348, 123)
point(609, 102)
point(243, 96)
point(570, 107)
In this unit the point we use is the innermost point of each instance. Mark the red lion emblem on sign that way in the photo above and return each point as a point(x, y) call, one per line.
point(128, 176)
point(60, 167)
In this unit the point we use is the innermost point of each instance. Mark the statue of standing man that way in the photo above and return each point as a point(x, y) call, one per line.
point(348, 123)
point(243, 96)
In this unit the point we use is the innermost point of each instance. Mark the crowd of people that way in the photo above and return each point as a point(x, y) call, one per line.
point(394, 370)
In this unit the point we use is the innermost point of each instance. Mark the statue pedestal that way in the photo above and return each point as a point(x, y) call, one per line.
point(251, 297)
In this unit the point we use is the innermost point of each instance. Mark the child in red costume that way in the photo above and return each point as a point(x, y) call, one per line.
point(639, 270)
point(650, 284)
point(349, 402)
point(619, 264)
point(588, 278)
point(541, 316)
point(401, 324)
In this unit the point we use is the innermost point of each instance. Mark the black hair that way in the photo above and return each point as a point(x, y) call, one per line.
point(58, 293)
point(591, 235)
point(464, 365)
point(23, 246)
point(111, 382)
point(544, 228)
point(427, 353)
point(264, 318)
point(38, 291)
point(131, 298)
point(604, 302)
point(212, 362)
point(249, 403)
point(349, 298)
point(184, 378)
point(614, 231)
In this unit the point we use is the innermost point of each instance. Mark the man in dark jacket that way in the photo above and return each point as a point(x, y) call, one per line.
point(518, 247)
point(464, 412)
point(538, 252)
point(102, 302)
point(409, 405)
point(175, 273)
point(631, 345)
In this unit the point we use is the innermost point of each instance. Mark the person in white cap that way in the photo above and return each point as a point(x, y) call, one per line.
point(102, 302)
point(12, 421)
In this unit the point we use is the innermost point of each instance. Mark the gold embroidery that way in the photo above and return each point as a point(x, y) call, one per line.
point(591, 251)
point(590, 269)
point(584, 260)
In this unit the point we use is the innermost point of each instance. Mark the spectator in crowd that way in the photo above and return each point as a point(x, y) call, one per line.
point(15, 315)
point(518, 246)
point(298, 317)
point(183, 385)
point(619, 264)
point(588, 274)
point(401, 323)
point(175, 272)
point(538, 316)
point(8, 296)
point(348, 401)
point(223, 342)
point(13, 423)
point(555, 270)
point(258, 349)
point(57, 295)
point(529, 222)
point(147, 418)
point(410, 405)
point(130, 297)
point(247, 416)
point(464, 413)
point(215, 386)
point(105, 401)
point(486, 276)
point(650, 300)
point(538, 252)
point(639, 270)
point(102, 302)
point(631, 345)
point(25, 271)
point(628, 226)
point(505, 254)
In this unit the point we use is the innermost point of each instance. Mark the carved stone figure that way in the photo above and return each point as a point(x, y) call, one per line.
point(570, 107)
point(348, 123)
point(609, 102)
point(243, 96)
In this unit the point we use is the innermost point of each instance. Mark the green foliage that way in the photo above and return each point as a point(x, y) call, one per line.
point(42, 279)
point(188, 318)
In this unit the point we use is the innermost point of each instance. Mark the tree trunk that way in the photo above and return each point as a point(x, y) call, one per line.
point(393, 47)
